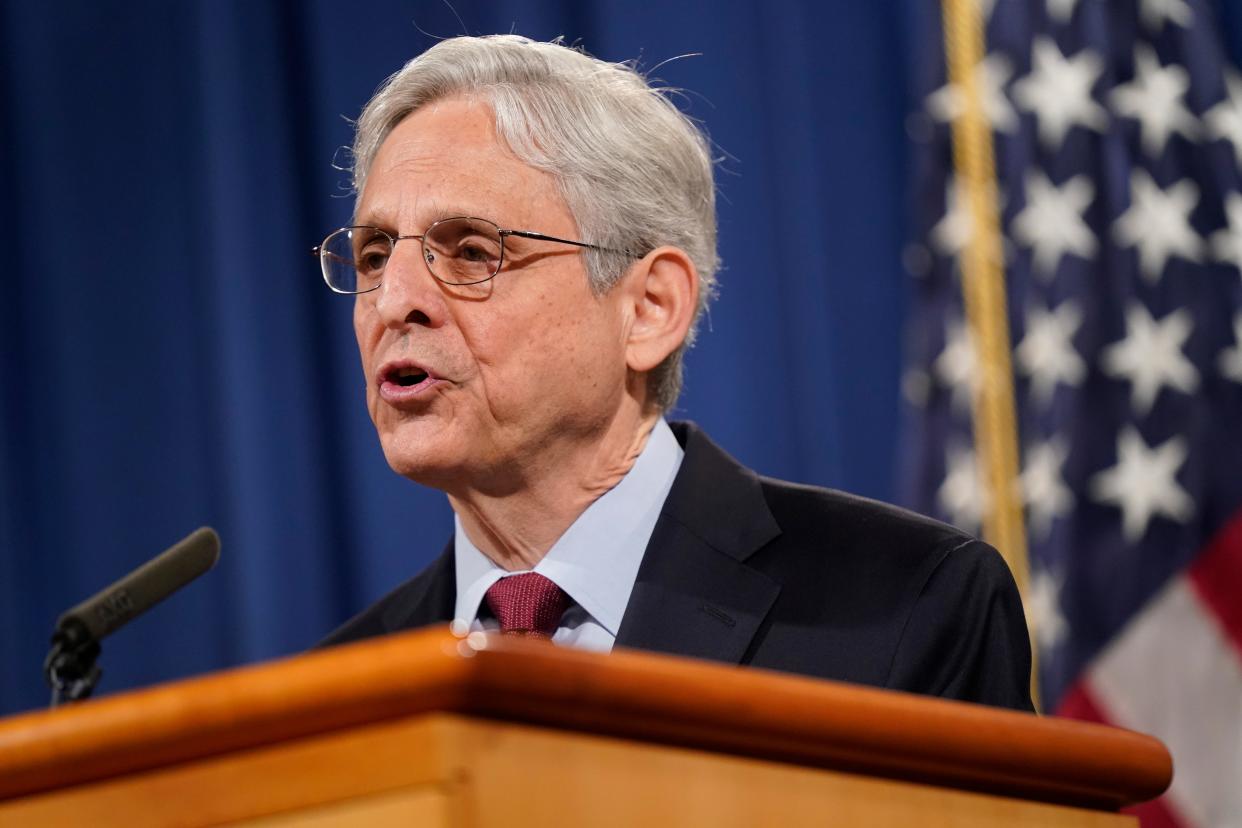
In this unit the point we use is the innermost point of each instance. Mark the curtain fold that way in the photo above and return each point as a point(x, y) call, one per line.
point(170, 357)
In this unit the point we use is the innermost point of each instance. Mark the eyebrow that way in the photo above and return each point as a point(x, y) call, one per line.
point(374, 218)
point(382, 219)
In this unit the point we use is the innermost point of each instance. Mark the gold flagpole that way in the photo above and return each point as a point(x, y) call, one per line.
point(983, 292)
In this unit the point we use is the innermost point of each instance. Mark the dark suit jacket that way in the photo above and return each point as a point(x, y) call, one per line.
point(749, 570)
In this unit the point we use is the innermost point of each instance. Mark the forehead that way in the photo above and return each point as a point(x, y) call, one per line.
point(446, 158)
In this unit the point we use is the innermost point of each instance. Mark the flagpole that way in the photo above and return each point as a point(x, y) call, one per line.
point(983, 292)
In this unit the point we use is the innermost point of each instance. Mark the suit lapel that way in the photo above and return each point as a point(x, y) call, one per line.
point(428, 599)
point(695, 595)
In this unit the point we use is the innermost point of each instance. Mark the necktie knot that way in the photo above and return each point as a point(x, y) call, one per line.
point(527, 604)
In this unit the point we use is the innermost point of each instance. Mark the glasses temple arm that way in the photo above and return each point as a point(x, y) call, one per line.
point(319, 253)
point(530, 234)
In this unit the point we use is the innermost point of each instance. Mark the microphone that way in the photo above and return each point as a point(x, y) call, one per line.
point(70, 666)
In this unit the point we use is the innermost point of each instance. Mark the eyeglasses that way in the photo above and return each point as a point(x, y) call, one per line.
point(458, 251)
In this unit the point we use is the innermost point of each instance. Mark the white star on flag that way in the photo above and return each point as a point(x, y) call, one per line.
point(1155, 12)
point(1061, 10)
point(1046, 353)
point(991, 74)
point(1051, 222)
point(1058, 91)
point(1154, 99)
point(1043, 610)
point(1227, 242)
point(953, 232)
point(1224, 121)
point(1043, 485)
point(1150, 356)
point(1143, 483)
point(958, 364)
point(962, 495)
point(1158, 221)
point(1230, 360)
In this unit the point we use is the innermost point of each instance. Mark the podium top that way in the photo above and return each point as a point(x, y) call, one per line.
point(635, 695)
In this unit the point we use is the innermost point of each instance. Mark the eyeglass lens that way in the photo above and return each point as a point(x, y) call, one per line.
point(459, 251)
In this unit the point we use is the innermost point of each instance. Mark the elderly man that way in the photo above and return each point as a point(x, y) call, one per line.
point(533, 243)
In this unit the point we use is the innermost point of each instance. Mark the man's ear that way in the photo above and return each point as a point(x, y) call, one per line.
point(663, 287)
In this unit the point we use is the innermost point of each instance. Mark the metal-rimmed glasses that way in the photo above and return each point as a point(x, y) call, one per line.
point(461, 250)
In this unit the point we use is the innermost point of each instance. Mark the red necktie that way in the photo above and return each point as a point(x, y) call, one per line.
point(527, 604)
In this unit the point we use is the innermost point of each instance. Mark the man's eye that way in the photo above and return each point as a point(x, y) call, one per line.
point(480, 250)
point(372, 259)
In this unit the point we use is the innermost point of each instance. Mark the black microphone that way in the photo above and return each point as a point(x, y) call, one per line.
point(70, 666)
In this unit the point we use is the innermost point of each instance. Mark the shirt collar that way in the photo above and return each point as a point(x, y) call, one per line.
point(596, 560)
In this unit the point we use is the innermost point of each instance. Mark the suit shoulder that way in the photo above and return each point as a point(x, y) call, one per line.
point(902, 600)
point(890, 554)
point(831, 514)
point(425, 599)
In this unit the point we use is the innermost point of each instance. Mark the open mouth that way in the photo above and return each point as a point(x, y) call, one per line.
point(404, 381)
point(406, 377)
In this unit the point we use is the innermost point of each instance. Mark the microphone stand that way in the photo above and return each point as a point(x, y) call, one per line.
point(70, 667)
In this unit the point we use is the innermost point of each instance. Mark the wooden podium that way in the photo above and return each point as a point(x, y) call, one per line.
point(429, 729)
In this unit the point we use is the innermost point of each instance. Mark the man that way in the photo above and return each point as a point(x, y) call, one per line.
point(533, 243)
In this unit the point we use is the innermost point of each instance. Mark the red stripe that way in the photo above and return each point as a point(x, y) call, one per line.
point(1079, 703)
point(1217, 577)
point(1158, 813)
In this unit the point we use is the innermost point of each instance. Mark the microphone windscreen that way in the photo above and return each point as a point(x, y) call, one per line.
point(146, 586)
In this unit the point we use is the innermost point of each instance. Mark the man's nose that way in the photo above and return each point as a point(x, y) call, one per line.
point(408, 294)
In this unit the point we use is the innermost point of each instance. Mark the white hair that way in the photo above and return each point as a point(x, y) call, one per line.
point(634, 171)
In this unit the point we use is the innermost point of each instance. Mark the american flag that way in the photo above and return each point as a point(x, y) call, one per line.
point(1117, 133)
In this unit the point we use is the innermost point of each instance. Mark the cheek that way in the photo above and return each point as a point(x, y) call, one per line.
point(365, 334)
point(534, 351)
point(575, 353)
point(364, 323)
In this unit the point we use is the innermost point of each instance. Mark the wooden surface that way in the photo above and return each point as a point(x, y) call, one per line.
point(637, 696)
point(447, 770)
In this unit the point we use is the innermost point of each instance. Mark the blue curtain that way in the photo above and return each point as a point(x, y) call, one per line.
point(170, 358)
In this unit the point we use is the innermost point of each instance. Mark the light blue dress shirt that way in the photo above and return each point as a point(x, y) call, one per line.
point(596, 561)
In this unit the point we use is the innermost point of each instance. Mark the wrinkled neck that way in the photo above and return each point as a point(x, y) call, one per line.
point(517, 529)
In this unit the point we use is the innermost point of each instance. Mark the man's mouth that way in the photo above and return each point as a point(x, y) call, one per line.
point(405, 382)
point(405, 377)
point(403, 373)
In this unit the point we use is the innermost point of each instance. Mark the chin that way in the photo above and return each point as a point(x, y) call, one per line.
point(440, 460)
point(425, 464)
point(414, 450)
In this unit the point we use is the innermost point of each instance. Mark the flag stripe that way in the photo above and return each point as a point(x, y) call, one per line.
point(1079, 703)
point(1174, 646)
point(1158, 813)
point(1217, 578)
